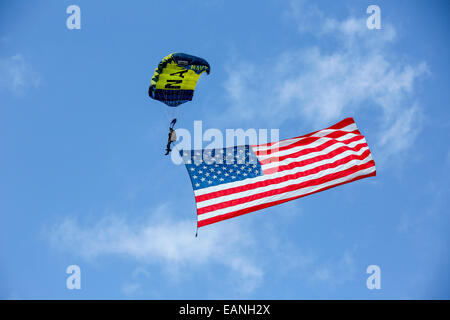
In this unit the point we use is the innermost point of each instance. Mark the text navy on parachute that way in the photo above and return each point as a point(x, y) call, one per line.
point(174, 81)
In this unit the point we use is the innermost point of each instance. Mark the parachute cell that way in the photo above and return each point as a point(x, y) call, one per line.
point(175, 78)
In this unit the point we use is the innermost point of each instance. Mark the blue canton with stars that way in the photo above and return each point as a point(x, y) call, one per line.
point(212, 167)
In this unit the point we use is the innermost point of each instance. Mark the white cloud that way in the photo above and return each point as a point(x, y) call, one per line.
point(320, 86)
point(335, 272)
point(310, 19)
point(17, 74)
point(162, 240)
point(401, 132)
point(131, 289)
point(170, 244)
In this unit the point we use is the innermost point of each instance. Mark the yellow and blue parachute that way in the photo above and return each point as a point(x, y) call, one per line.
point(175, 78)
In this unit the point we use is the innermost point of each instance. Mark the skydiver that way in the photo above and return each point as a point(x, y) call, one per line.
point(172, 136)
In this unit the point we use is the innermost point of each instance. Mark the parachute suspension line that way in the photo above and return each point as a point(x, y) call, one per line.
point(173, 83)
point(168, 115)
point(171, 113)
point(179, 112)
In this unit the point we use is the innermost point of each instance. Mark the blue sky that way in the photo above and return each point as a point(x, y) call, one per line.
point(84, 180)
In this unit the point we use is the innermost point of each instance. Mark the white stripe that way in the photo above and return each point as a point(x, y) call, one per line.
point(310, 145)
point(283, 184)
point(321, 133)
point(312, 154)
point(229, 185)
point(282, 196)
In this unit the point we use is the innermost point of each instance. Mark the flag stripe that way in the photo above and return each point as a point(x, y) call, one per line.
point(204, 220)
point(313, 179)
point(345, 125)
point(301, 170)
point(313, 152)
point(312, 158)
point(282, 171)
point(338, 135)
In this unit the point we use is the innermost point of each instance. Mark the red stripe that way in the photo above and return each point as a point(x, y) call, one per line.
point(306, 141)
point(292, 187)
point(342, 124)
point(211, 220)
point(329, 155)
point(302, 152)
point(258, 184)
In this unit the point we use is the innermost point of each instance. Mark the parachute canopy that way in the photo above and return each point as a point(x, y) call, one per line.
point(175, 78)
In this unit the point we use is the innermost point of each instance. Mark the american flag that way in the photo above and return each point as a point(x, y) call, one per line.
point(229, 182)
